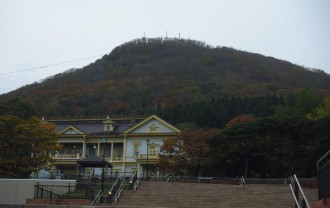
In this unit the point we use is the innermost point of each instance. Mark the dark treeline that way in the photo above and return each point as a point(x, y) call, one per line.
point(217, 112)
point(270, 147)
point(260, 137)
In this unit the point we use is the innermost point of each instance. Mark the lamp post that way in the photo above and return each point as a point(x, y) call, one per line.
point(137, 163)
point(148, 141)
point(103, 166)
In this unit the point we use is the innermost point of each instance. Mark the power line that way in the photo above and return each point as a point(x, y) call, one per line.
point(46, 66)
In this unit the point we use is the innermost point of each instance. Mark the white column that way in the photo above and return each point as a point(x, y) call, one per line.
point(111, 152)
point(124, 149)
point(83, 149)
point(98, 149)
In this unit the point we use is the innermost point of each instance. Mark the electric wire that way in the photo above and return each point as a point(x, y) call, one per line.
point(50, 65)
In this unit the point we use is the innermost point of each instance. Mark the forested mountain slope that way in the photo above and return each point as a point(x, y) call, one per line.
point(145, 75)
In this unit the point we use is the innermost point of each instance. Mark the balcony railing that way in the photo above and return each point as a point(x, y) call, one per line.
point(115, 159)
point(79, 157)
point(67, 156)
point(144, 156)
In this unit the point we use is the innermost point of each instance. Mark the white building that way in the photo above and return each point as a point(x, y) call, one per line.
point(129, 144)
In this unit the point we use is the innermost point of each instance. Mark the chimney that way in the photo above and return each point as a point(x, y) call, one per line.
point(132, 118)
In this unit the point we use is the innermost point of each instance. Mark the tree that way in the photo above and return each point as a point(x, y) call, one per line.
point(270, 147)
point(300, 104)
point(323, 111)
point(25, 145)
point(16, 107)
point(240, 119)
point(171, 159)
point(189, 152)
point(234, 149)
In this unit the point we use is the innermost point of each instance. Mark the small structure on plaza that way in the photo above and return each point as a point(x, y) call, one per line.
point(93, 161)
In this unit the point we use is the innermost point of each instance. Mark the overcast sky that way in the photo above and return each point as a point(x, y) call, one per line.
point(37, 37)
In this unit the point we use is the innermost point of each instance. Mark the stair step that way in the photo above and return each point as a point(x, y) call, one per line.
point(199, 195)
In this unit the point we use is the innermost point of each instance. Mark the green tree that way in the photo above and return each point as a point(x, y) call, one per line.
point(321, 112)
point(300, 104)
point(25, 145)
point(234, 149)
point(270, 147)
point(16, 107)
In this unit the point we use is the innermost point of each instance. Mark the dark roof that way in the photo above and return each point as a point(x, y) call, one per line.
point(93, 126)
point(93, 161)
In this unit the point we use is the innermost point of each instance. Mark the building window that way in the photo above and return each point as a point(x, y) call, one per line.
point(135, 152)
point(107, 128)
point(153, 149)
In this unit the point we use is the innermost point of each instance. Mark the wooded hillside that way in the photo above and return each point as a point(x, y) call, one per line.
point(150, 75)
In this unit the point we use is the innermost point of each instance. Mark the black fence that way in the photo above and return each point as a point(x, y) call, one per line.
point(83, 189)
point(107, 175)
point(76, 191)
point(323, 167)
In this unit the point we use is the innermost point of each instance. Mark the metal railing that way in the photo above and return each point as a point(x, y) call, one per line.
point(137, 182)
point(295, 188)
point(77, 191)
point(132, 180)
point(96, 199)
point(118, 193)
point(67, 156)
point(78, 156)
point(91, 176)
point(242, 181)
point(191, 179)
point(323, 172)
point(51, 191)
point(44, 192)
point(150, 156)
point(116, 189)
point(169, 177)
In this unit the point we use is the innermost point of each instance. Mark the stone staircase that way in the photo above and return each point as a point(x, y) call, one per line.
point(201, 195)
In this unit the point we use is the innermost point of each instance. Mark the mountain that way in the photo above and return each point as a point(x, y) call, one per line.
point(147, 74)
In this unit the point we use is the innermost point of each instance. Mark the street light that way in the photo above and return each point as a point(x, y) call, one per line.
point(148, 141)
point(137, 162)
point(104, 140)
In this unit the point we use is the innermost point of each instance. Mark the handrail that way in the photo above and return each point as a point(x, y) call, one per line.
point(132, 180)
point(96, 199)
point(137, 182)
point(294, 180)
point(322, 158)
point(114, 184)
point(242, 181)
point(170, 176)
point(113, 192)
point(294, 196)
point(118, 193)
point(323, 171)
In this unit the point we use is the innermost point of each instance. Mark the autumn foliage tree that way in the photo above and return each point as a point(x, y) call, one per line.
point(25, 142)
point(240, 119)
point(188, 152)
